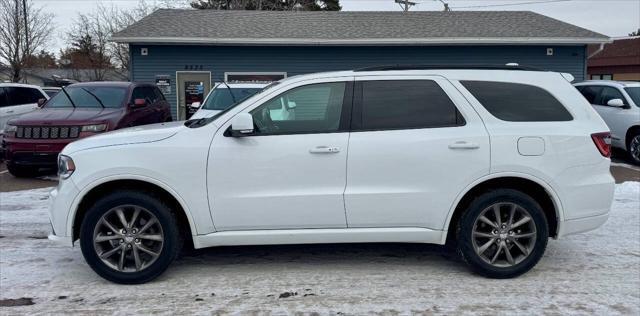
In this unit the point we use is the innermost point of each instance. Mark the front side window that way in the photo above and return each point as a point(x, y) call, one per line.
point(89, 97)
point(608, 94)
point(634, 93)
point(315, 108)
point(223, 97)
point(517, 102)
point(21, 95)
point(406, 104)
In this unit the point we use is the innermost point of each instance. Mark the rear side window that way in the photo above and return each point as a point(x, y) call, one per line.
point(590, 93)
point(406, 104)
point(20, 95)
point(517, 102)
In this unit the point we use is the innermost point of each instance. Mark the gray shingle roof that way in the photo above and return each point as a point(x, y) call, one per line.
point(352, 27)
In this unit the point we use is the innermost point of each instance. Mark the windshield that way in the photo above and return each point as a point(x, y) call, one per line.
point(88, 97)
point(634, 93)
point(221, 98)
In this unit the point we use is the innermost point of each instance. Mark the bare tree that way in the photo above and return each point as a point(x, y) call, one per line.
point(109, 19)
point(89, 40)
point(24, 30)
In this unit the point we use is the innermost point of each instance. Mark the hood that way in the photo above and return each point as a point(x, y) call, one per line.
point(204, 113)
point(126, 136)
point(68, 116)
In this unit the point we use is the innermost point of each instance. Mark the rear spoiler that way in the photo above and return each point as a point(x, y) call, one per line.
point(567, 76)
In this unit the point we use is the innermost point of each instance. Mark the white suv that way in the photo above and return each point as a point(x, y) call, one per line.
point(490, 161)
point(618, 102)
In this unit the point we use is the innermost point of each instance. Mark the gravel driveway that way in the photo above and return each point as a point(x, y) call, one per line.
point(593, 273)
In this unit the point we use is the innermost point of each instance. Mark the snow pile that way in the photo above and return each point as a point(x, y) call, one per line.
point(591, 273)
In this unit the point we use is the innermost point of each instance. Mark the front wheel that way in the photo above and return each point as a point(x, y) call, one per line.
point(502, 234)
point(129, 237)
point(633, 148)
point(23, 171)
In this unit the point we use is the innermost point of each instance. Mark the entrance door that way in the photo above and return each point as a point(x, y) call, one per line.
point(192, 87)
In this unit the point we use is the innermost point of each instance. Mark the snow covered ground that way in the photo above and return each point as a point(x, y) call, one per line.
point(593, 273)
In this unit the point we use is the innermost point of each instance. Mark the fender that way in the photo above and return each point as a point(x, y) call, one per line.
point(554, 196)
point(83, 192)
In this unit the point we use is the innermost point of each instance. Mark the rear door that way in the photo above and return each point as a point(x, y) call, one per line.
point(415, 145)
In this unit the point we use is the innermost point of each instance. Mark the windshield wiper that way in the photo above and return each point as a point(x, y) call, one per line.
point(68, 96)
point(93, 95)
point(230, 92)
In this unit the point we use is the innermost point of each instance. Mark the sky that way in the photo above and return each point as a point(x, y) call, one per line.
point(615, 18)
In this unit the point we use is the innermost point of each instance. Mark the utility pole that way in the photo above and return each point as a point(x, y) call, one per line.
point(405, 4)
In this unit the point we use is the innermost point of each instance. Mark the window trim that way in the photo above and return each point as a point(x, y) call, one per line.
point(345, 115)
point(257, 73)
point(358, 106)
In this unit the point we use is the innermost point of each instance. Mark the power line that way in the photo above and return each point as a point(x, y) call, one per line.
point(508, 4)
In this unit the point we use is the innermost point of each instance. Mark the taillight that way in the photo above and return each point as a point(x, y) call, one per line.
point(603, 143)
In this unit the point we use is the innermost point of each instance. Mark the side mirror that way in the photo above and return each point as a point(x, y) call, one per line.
point(137, 103)
point(242, 125)
point(291, 105)
point(41, 102)
point(616, 102)
point(195, 105)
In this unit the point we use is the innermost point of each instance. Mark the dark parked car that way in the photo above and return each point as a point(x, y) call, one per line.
point(33, 141)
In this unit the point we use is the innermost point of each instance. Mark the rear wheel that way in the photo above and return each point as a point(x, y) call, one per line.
point(129, 237)
point(633, 148)
point(502, 234)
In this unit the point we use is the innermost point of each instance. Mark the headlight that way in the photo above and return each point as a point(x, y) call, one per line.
point(10, 128)
point(66, 167)
point(94, 128)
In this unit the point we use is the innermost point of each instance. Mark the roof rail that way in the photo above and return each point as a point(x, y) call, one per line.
point(510, 66)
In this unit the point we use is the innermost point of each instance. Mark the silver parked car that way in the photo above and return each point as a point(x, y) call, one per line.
point(618, 102)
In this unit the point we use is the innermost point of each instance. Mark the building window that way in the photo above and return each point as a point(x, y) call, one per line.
point(601, 77)
point(254, 76)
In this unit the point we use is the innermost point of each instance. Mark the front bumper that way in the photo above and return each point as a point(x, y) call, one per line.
point(30, 152)
point(60, 206)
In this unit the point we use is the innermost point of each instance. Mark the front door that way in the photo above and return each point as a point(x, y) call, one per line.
point(416, 144)
point(192, 87)
point(290, 173)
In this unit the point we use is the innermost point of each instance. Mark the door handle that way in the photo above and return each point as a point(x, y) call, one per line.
point(324, 150)
point(463, 145)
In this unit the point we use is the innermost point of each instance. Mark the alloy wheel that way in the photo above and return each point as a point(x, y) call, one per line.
point(634, 148)
point(128, 238)
point(504, 234)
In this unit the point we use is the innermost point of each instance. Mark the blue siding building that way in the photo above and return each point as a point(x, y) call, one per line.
point(204, 47)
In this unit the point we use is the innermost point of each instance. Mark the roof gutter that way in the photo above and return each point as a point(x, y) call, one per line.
point(601, 48)
point(375, 41)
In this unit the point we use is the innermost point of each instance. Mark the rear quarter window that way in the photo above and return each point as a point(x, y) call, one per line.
point(517, 102)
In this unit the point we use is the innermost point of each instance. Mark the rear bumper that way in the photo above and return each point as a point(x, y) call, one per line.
point(582, 225)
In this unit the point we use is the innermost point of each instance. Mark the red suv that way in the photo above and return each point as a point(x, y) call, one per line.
point(33, 141)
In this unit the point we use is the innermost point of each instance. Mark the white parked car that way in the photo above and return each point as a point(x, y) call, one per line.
point(17, 99)
point(224, 95)
point(492, 162)
point(618, 102)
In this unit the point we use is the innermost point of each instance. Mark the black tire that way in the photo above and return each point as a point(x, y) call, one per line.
point(464, 234)
point(635, 159)
point(22, 171)
point(170, 246)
